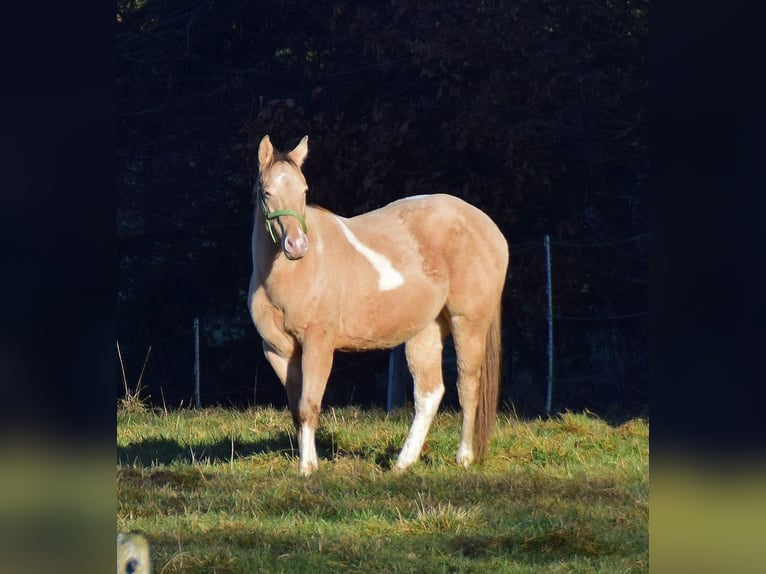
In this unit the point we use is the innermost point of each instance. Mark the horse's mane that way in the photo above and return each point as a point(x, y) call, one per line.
point(320, 208)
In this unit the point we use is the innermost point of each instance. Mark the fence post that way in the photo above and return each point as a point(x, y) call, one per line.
point(196, 363)
point(549, 294)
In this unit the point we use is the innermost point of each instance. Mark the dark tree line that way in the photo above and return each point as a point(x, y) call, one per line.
point(535, 111)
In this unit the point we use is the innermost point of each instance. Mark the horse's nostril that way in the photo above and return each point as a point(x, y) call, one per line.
point(296, 248)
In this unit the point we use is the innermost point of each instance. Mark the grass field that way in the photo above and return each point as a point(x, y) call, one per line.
point(218, 490)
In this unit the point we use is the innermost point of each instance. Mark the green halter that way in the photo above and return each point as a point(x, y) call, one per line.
point(278, 213)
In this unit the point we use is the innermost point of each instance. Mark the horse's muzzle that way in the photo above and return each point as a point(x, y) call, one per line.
point(297, 247)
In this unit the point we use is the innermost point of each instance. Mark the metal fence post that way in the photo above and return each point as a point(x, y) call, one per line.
point(549, 294)
point(196, 364)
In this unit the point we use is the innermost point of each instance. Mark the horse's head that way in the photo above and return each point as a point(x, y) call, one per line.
point(281, 192)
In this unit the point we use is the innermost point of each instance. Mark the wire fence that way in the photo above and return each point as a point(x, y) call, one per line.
point(173, 369)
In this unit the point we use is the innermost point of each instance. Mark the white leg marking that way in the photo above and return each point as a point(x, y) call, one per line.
point(308, 450)
point(464, 454)
point(388, 277)
point(425, 409)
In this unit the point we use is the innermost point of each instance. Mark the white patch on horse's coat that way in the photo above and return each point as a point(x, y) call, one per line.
point(280, 177)
point(388, 277)
point(408, 198)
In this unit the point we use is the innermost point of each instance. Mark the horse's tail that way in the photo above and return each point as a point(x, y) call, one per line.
point(489, 387)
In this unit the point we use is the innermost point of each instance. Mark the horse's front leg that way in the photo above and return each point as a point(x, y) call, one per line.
point(287, 365)
point(316, 364)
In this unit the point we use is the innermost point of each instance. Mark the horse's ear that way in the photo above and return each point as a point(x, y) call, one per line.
point(300, 152)
point(265, 153)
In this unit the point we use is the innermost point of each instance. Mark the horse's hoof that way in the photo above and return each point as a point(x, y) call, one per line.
point(307, 470)
point(464, 460)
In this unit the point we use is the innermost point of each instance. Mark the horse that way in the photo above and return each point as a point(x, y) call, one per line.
point(413, 272)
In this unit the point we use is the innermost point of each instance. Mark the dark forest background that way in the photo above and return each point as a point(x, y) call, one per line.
point(533, 110)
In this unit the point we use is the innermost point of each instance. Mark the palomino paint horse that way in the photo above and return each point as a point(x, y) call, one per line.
point(413, 271)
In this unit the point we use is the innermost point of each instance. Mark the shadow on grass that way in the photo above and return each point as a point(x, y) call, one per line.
point(166, 451)
point(154, 451)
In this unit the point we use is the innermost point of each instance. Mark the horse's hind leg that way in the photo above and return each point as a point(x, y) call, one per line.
point(470, 344)
point(424, 356)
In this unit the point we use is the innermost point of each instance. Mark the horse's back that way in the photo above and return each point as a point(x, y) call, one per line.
point(458, 244)
point(439, 211)
point(445, 227)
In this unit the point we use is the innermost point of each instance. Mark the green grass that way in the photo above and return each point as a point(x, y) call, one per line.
point(218, 490)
